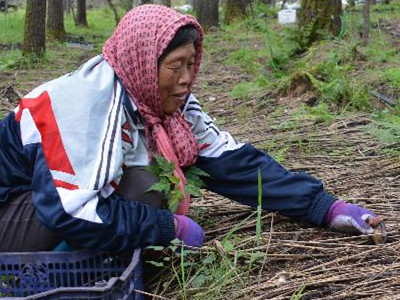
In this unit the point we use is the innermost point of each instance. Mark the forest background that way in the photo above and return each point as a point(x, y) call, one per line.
point(320, 96)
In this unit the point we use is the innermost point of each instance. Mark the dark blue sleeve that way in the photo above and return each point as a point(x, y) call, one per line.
point(235, 175)
point(15, 174)
point(124, 224)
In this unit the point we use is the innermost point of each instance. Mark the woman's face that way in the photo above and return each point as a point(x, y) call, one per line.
point(175, 74)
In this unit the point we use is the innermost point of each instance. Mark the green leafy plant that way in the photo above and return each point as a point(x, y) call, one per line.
point(169, 183)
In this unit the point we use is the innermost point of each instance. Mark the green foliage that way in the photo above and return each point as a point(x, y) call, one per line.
point(12, 26)
point(244, 90)
point(267, 11)
point(9, 59)
point(393, 75)
point(168, 184)
point(320, 113)
point(245, 58)
point(385, 127)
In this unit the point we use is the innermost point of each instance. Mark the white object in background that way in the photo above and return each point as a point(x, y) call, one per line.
point(287, 16)
point(295, 5)
point(184, 8)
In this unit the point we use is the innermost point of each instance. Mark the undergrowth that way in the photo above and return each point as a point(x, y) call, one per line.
point(334, 67)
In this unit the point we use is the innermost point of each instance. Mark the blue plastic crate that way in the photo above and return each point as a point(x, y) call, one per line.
point(83, 274)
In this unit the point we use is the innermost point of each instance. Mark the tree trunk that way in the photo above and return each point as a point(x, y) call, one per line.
point(35, 28)
point(235, 9)
point(316, 16)
point(81, 13)
point(67, 6)
point(206, 12)
point(6, 6)
point(55, 20)
point(114, 10)
point(366, 17)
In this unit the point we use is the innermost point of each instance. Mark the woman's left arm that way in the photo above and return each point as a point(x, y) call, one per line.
point(234, 169)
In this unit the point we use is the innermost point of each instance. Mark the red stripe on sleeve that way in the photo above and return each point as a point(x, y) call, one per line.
point(66, 185)
point(53, 148)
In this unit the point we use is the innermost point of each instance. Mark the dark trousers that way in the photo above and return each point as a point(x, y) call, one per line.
point(21, 231)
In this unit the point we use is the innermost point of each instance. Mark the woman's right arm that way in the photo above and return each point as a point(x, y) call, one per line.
point(89, 218)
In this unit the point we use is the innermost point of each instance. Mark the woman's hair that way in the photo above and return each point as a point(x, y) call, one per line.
point(185, 35)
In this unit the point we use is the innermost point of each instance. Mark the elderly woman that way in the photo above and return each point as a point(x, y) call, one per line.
point(73, 153)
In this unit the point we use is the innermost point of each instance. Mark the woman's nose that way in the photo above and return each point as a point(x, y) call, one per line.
point(185, 76)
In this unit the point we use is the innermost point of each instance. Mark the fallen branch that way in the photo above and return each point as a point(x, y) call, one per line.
point(385, 99)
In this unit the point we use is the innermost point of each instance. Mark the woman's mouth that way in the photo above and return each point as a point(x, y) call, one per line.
point(180, 96)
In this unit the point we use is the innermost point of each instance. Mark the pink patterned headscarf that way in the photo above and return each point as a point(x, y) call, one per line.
point(132, 51)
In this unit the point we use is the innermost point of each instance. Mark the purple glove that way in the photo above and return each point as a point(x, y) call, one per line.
point(347, 217)
point(188, 231)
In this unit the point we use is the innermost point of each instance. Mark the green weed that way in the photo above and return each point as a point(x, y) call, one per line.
point(299, 293)
point(259, 208)
point(169, 183)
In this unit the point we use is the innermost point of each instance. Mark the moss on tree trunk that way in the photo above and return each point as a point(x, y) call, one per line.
point(317, 18)
point(35, 31)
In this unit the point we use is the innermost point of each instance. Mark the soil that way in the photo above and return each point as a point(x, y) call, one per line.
point(351, 163)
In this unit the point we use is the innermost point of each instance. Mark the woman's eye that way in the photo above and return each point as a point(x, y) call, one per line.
point(174, 67)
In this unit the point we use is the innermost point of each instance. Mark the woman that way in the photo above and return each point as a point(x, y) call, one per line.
point(73, 152)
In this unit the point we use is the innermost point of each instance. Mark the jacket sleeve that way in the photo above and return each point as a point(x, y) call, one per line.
point(89, 218)
point(234, 169)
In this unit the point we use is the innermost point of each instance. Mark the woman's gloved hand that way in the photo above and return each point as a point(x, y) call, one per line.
point(347, 217)
point(188, 231)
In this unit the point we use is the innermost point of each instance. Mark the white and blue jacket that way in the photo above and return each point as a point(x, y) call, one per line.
point(70, 139)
